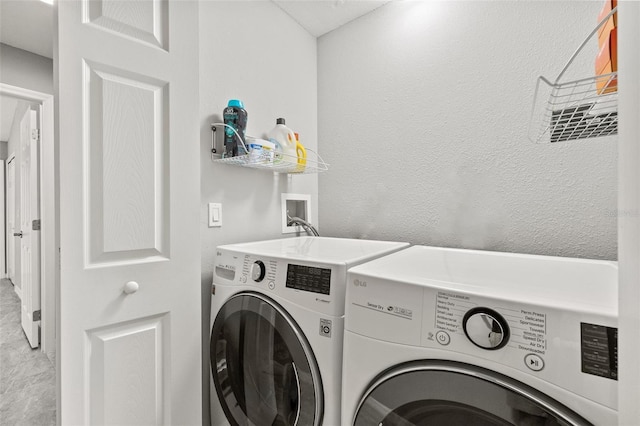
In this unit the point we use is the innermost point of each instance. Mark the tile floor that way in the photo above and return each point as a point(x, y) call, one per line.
point(27, 377)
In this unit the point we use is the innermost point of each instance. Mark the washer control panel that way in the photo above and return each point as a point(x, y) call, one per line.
point(309, 278)
point(299, 281)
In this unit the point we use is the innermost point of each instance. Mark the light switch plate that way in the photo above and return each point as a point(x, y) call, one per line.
point(215, 215)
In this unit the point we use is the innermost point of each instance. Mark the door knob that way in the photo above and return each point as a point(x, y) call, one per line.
point(17, 234)
point(131, 287)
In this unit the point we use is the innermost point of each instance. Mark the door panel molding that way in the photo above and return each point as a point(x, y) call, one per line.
point(145, 21)
point(128, 355)
point(126, 163)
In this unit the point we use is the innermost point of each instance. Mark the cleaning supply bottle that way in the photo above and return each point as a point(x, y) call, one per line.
point(235, 117)
point(286, 143)
point(301, 153)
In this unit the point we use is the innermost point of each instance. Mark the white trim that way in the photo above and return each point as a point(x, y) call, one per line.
point(18, 291)
point(629, 212)
point(10, 159)
point(48, 213)
point(3, 221)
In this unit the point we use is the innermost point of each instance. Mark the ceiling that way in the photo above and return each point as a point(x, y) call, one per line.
point(28, 25)
point(319, 17)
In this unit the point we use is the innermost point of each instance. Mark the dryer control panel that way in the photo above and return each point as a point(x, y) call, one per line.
point(557, 343)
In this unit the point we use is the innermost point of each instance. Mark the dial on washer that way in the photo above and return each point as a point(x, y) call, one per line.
point(486, 328)
point(258, 271)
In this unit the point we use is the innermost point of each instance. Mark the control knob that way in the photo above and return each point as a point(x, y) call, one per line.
point(486, 328)
point(258, 271)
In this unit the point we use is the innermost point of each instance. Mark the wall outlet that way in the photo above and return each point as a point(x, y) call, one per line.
point(295, 205)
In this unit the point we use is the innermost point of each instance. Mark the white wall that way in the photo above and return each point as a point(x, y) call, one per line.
point(423, 116)
point(253, 51)
point(4, 150)
point(24, 69)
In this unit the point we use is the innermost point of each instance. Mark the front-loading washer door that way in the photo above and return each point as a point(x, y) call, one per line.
point(263, 368)
point(443, 393)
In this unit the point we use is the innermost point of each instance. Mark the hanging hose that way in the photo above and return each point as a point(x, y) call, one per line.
point(309, 228)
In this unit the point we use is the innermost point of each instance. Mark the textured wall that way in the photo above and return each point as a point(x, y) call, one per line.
point(423, 115)
point(251, 50)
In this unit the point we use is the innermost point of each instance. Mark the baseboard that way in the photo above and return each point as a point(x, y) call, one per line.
point(18, 291)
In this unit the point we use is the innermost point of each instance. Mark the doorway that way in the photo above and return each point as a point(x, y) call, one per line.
point(47, 195)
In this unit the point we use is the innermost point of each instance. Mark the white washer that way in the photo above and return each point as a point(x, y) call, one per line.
point(277, 326)
point(459, 337)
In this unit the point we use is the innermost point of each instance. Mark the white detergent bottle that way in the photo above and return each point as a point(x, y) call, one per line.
point(285, 141)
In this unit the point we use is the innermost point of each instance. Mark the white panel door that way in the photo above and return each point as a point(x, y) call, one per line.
point(11, 218)
point(127, 84)
point(30, 238)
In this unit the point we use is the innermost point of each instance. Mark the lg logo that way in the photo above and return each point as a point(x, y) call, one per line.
point(359, 283)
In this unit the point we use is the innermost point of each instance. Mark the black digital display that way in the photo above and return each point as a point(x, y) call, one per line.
point(599, 350)
point(309, 278)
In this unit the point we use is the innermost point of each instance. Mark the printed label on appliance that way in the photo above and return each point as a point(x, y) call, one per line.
point(529, 330)
point(396, 311)
point(599, 350)
point(450, 309)
point(325, 327)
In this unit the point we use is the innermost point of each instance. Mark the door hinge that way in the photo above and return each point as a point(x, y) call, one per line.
point(213, 289)
point(35, 225)
point(36, 315)
point(35, 134)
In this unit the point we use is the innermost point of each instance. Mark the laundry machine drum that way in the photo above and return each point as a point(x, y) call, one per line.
point(263, 368)
point(445, 393)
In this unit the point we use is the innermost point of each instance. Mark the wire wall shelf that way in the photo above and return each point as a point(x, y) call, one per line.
point(277, 162)
point(573, 110)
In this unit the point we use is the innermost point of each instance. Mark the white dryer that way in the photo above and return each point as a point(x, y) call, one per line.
point(277, 327)
point(452, 337)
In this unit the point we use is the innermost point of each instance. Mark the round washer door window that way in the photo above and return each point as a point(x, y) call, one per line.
point(263, 368)
point(443, 393)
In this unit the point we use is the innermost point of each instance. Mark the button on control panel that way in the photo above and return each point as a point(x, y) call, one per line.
point(258, 271)
point(443, 338)
point(486, 328)
point(534, 362)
